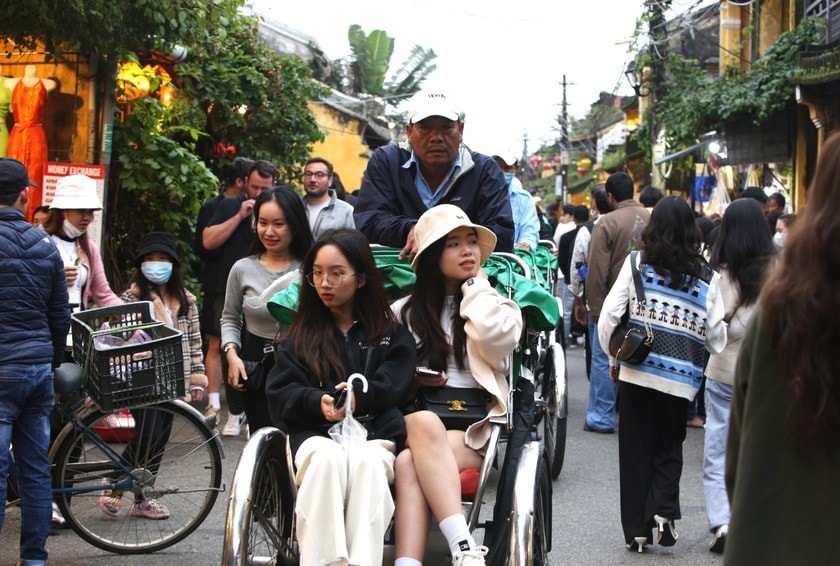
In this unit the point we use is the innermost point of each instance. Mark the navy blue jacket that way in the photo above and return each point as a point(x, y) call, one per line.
point(34, 306)
point(388, 204)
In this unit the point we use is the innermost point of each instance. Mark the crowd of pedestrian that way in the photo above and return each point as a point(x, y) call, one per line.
point(739, 310)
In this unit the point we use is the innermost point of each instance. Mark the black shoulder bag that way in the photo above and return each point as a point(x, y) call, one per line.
point(629, 343)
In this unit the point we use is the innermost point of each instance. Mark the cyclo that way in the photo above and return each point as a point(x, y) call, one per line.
point(525, 452)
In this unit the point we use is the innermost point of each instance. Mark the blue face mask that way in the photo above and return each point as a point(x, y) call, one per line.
point(157, 272)
point(508, 178)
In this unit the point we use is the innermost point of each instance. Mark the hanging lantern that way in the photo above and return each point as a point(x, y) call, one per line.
point(534, 160)
point(583, 166)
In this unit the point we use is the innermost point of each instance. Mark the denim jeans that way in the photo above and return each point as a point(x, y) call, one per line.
point(718, 402)
point(602, 391)
point(567, 299)
point(26, 401)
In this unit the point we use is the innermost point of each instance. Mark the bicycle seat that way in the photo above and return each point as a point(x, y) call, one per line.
point(68, 378)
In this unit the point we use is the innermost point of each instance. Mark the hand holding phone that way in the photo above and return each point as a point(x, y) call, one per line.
point(338, 402)
point(425, 377)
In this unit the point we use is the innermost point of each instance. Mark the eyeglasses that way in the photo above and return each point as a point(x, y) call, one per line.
point(316, 174)
point(333, 279)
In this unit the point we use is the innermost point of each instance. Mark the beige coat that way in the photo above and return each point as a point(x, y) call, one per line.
point(493, 327)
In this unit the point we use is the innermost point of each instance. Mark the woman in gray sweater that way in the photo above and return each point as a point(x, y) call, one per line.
point(248, 329)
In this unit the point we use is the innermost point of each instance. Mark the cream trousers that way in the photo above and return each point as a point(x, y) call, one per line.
point(343, 505)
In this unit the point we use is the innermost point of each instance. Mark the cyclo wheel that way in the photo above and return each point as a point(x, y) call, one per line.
point(260, 523)
point(181, 471)
point(531, 526)
point(554, 423)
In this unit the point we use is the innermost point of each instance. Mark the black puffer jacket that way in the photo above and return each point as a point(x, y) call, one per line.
point(34, 309)
point(294, 394)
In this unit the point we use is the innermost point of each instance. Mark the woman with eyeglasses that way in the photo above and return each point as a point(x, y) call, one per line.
point(343, 326)
point(248, 331)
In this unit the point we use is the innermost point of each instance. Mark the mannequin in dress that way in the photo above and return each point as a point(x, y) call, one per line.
point(28, 140)
point(5, 102)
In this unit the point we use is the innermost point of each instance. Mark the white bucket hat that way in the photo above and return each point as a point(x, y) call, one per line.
point(439, 221)
point(76, 192)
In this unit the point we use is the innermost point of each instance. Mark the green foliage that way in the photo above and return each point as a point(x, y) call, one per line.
point(241, 93)
point(411, 74)
point(232, 92)
point(371, 56)
point(105, 26)
point(689, 104)
point(157, 183)
point(365, 71)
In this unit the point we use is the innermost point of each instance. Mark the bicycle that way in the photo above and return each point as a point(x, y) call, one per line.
point(93, 459)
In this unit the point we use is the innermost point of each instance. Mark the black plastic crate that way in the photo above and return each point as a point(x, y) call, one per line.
point(129, 375)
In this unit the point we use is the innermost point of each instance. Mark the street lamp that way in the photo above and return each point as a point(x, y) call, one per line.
point(636, 79)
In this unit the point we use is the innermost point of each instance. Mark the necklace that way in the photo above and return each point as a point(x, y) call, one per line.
point(69, 251)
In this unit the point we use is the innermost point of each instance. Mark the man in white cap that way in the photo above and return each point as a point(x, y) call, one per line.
point(33, 331)
point(434, 167)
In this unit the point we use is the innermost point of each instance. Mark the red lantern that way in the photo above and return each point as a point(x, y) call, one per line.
point(583, 166)
point(534, 160)
point(558, 160)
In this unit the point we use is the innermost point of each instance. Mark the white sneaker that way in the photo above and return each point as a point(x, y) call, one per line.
point(474, 557)
point(233, 426)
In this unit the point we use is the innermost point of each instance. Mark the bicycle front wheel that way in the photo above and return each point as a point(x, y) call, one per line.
point(139, 483)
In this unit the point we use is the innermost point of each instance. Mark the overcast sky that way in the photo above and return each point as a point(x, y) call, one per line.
point(503, 60)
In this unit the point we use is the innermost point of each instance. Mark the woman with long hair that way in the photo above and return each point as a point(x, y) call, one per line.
point(247, 328)
point(465, 332)
point(685, 310)
point(158, 279)
point(783, 449)
point(741, 254)
point(343, 325)
point(71, 212)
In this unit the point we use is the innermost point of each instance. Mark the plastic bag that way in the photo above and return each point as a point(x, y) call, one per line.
point(349, 432)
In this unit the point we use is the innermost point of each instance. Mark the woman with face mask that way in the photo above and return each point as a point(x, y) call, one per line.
point(71, 212)
point(158, 279)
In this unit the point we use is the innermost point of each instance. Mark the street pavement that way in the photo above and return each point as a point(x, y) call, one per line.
point(586, 523)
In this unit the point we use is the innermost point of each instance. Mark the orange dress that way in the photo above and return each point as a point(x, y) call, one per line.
point(28, 140)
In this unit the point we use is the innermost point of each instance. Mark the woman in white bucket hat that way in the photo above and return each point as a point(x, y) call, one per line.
point(71, 212)
point(465, 331)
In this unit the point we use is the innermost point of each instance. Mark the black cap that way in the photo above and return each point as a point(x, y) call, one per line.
point(13, 177)
point(157, 242)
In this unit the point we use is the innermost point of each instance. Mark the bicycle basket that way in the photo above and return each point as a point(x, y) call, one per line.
point(120, 373)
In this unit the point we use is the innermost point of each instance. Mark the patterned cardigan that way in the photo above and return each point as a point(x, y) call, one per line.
point(687, 323)
point(194, 373)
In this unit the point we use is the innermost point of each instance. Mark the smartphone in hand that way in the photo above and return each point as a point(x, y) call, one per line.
point(426, 372)
point(338, 401)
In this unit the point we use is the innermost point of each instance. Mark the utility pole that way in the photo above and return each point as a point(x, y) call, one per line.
point(564, 148)
point(657, 36)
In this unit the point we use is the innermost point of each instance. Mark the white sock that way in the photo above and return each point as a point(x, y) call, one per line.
point(407, 562)
point(457, 534)
point(215, 402)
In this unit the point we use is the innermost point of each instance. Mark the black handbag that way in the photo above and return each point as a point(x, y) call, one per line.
point(256, 348)
point(628, 343)
point(457, 407)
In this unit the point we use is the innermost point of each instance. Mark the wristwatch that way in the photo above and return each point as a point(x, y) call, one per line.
point(230, 346)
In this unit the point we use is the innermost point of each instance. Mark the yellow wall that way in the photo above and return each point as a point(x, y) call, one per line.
point(342, 146)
